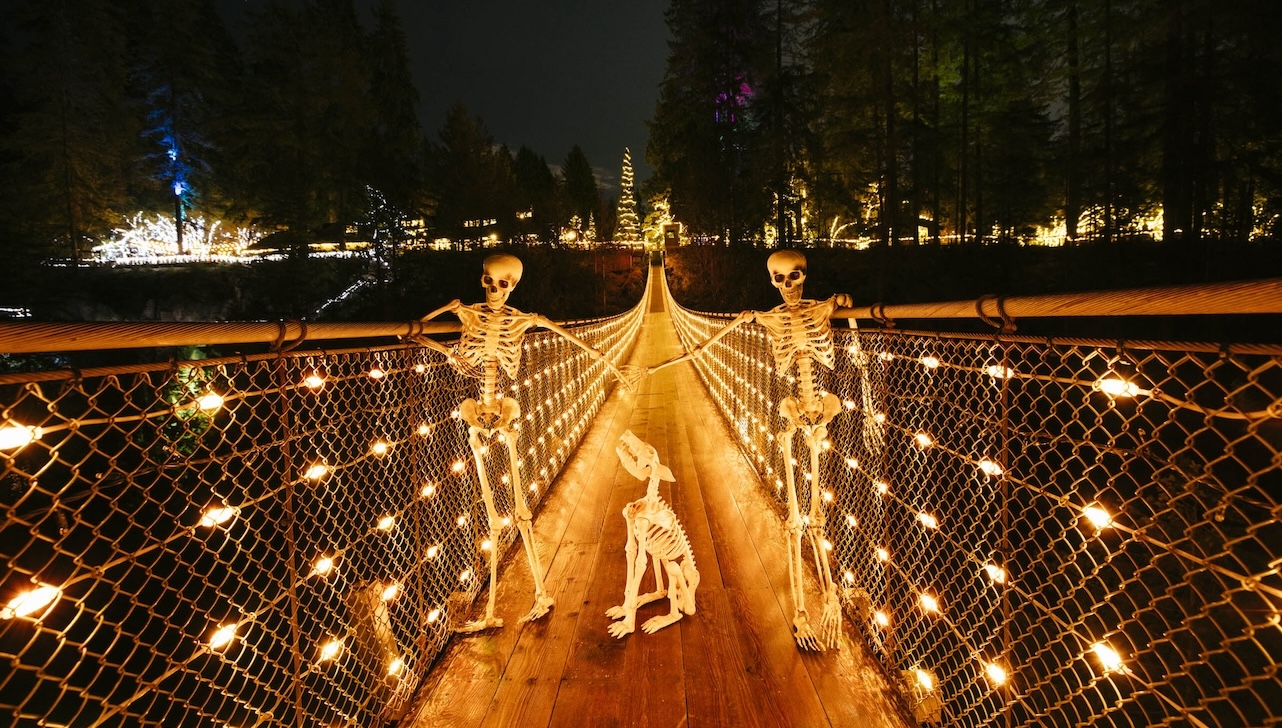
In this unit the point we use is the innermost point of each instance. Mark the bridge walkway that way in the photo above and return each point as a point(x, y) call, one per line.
point(733, 663)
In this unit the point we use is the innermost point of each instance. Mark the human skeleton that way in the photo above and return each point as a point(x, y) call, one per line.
point(800, 333)
point(653, 529)
point(491, 342)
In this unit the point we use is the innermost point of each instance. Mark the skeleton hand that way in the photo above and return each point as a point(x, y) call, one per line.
point(463, 366)
point(844, 300)
point(630, 376)
point(830, 620)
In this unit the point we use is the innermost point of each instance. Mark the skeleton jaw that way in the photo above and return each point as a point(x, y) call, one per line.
point(791, 296)
point(495, 298)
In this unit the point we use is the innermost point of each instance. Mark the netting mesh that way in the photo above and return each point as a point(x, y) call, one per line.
point(1037, 533)
point(283, 539)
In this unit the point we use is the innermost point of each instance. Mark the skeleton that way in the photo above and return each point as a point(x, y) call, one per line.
point(653, 529)
point(490, 343)
point(800, 334)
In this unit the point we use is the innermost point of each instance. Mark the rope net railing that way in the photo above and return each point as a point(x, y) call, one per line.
point(277, 539)
point(1037, 533)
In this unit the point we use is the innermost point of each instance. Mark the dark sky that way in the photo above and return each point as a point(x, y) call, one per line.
point(544, 73)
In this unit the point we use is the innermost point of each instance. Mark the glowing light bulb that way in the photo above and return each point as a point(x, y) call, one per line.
point(883, 487)
point(930, 362)
point(210, 401)
point(390, 591)
point(882, 554)
point(323, 566)
point(462, 520)
point(928, 520)
point(827, 545)
point(879, 418)
point(314, 381)
point(386, 522)
point(486, 545)
point(852, 463)
point(15, 436)
point(996, 673)
point(881, 618)
point(851, 520)
point(376, 373)
point(996, 573)
point(850, 577)
point(923, 440)
point(507, 521)
point(989, 467)
point(379, 447)
point(215, 515)
point(828, 496)
point(1108, 657)
point(1098, 517)
point(316, 471)
point(395, 666)
point(433, 615)
point(432, 551)
point(928, 603)
point(428, 490)
point(222, 636)
point(30, 601)
point(419, 368)
point(424, 430)
point(465, 575)
point(457, 466)
point(330, 650)
point(1116, 387)
point(924, 679)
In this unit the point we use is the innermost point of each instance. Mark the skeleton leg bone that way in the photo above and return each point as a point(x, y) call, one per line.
point(637, 560)
point(676, 598)
point(524, 518)
point(487, 495)
point(830, 619)
point(802, 632)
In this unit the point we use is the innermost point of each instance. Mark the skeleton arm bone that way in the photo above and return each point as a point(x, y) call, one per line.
point(451, 307)
point(746, 317)
point(540, 320)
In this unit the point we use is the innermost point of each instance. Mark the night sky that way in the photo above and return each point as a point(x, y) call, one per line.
point(544, 73)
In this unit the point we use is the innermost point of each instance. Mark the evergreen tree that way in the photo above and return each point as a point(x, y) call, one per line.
point(395, 139)
point(536, 195)
point(579, 183)
point(71, 136)
point(627, 225)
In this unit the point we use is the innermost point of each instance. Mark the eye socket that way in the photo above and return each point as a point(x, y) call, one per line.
point(487, 281)
point(779, 278)
point(503, 283)
point(794, 275)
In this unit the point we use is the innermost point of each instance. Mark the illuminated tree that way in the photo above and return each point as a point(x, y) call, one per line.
point(627, 225)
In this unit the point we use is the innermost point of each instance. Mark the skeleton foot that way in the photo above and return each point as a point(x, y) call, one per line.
point(618, 612)
point(830, 620)
point(542, 605)
point(622, 627)
point(801, 632)
point(654, 624)
point(483, 623)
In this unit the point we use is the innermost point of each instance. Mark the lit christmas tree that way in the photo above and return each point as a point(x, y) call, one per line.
point(626, 225)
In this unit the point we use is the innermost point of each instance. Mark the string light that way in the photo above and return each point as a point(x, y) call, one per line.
point(989, 467)
point(882, 554)
point(210, 401)
point(433, 615)
point(1108, 657)
point(331, 650)
point(465, 575)
point(996, 673)
point(30, 601)
point(883, 487)
point(217, 515)
point(851, 520)
point(930, 362)
point(323, 566)
point(996, 573)
point(928, 603)
point(1098, 517)
point(1116, 387)
point(432, 551)
point(395, 666)
point(391, 591)
point(424, 430)
point(17, 436)
point(222, 636)
point(376, 373)
point(923, 440)
point(314, 381)
point(928, 520)
point(997, 371)
point(379, 447)
point(428, 490)
point(881, 618)
point(386, 523)
point(419, 368)
point(316, 471)
point(925, 679)
point(457, 466)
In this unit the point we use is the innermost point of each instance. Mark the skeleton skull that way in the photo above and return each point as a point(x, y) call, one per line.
point(502, 273)
point(788, 274)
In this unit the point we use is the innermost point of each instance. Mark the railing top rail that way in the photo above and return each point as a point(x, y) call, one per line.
point(1244, 297)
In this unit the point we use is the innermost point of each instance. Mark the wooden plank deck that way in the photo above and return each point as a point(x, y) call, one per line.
point(734, 662)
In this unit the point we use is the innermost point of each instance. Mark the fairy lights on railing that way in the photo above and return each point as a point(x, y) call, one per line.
point(287, 539)
point(1017, 510)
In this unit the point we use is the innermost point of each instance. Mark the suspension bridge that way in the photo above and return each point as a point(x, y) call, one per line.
point(1025, 531)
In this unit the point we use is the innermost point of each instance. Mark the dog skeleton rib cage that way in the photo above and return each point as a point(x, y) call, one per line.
point(800, 334)
point(490, 343)
point(654, 531)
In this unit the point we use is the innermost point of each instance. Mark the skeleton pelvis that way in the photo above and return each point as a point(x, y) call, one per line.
point(817, 412)
point(498, 415)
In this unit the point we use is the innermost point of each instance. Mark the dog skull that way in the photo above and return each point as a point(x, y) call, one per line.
point(788, 274)
point(502, 273)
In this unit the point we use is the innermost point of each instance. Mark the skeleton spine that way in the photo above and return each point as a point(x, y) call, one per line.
point(806, 381)
point(490, 381)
